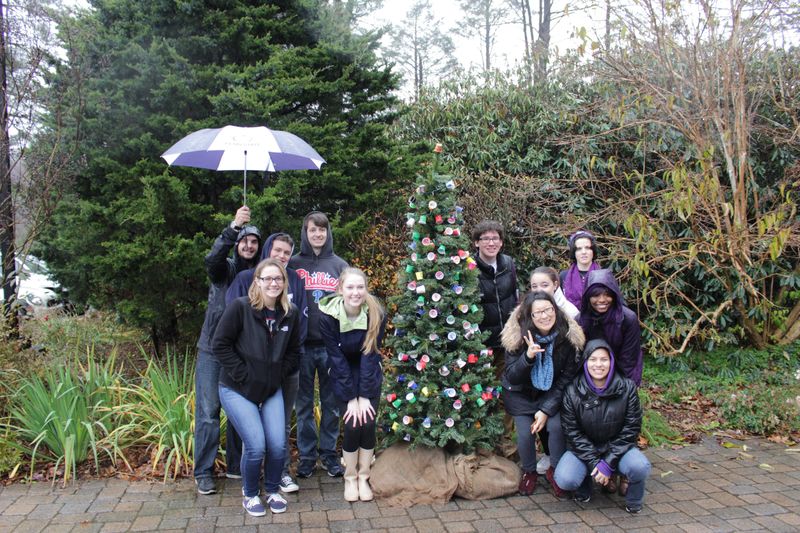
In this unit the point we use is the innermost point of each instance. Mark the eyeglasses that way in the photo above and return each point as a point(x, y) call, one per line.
point(490, 239)
point(550, 311)
point(269, 280)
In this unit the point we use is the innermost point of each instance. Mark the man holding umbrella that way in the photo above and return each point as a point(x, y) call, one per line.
point(246, 244)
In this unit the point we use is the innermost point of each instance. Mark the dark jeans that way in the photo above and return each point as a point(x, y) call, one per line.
point(263, 434)
point(314, 362)
point(526, 443)
point(206, 420)
point(290, 386)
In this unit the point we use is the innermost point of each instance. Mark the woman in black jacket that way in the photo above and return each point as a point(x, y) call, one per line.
point(601, 417)
point(257, 343)
point(543, 348)
point(352, 324)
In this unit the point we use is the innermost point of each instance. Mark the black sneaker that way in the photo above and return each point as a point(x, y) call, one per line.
point(205, 485)
point(334, 467)
point(306, 468)
point(633, 510)
point(580, 498)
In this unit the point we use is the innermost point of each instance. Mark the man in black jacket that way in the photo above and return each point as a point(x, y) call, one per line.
point(246, 244)
point(497, 282)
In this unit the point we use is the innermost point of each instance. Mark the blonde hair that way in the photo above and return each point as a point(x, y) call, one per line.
point(374, 310)
point(257, 299)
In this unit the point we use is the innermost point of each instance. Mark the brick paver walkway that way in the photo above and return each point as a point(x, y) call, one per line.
point(704, 487)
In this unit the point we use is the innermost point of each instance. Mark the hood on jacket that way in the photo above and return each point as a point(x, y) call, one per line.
point(267, 248)
point(305, 246)
point(602, 277)
point(241, 264)
point(591, 347)
point(512, 338)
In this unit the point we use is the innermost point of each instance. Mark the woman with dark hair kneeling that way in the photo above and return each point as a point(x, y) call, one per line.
point(352, 325)
point(601, 417)
point(257, 343)
point(543, 348)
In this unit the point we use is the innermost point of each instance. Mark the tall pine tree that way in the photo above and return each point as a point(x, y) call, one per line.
point(440, 389)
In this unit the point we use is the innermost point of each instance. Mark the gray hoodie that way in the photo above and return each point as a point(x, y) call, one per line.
point(320, 274)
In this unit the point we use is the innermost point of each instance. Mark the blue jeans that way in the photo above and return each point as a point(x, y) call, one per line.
point(574, 474)
point(290, 386)
point(206, 420)
point(526, 444)
point(314, 361)
point(263, 433)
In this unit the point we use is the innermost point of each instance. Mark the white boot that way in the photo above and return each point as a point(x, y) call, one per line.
point(350, 476)
point(364, 466)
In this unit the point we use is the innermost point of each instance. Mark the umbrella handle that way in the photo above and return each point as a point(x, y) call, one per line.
point(244, 201)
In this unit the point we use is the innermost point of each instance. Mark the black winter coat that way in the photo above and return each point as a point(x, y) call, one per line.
point(254, 362)
point(601, 427)
point(520, 397)
point(351, 372)
point(499, 295)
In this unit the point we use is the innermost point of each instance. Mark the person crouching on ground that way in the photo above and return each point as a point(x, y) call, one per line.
point(257, 342)
point(601, 418)
point(352, 323)
point(543, 350)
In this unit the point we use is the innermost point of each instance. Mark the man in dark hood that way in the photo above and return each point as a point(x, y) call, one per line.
point(319, 268)
point(604, 315)
point(245, 241)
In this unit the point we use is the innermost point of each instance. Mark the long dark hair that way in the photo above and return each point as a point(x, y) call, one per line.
point(526, 320)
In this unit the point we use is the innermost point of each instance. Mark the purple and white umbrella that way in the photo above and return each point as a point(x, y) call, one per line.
point(243, 148)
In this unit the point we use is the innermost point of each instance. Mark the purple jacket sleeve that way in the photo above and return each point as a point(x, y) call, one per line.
point(629, 360)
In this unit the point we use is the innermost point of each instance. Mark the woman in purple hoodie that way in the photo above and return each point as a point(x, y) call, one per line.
point(601, 418)
point(605, 316)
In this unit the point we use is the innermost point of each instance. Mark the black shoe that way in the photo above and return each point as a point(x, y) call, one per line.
point(334, 467)
point(306, 468)
point(633, 510)
point(580, 498)
point(205, 485)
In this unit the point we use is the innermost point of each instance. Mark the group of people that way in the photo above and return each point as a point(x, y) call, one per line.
point(572, 364)
point(275, 322)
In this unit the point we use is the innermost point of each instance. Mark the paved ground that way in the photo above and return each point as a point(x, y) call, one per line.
point(704, 487)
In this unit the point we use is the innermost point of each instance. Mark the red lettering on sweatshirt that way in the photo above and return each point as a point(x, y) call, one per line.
point(318, 280)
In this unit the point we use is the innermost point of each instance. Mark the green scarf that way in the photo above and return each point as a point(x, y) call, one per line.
point(333, 305)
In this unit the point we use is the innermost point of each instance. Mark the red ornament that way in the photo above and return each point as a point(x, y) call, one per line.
point(465, 387)
point(438, 219)
point(456, 232)
point(472, 358)
point(462, 253)
point(391, 397)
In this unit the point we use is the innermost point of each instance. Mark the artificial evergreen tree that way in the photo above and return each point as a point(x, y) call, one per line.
point(440, 389)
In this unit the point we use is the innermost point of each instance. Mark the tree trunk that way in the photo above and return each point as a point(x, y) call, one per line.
point(7, 248)
point(542, 46)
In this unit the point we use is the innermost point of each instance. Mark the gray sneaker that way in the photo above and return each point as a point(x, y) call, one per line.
point(288, 484)
point(205, 485)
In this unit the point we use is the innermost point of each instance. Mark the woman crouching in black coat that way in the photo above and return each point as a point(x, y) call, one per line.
point(601, 417)
point(543, 348)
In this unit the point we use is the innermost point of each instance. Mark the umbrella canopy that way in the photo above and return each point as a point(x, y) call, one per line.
point(239, 148)
point(243, 148)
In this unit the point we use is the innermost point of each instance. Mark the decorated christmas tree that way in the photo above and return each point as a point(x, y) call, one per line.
point(439, 388)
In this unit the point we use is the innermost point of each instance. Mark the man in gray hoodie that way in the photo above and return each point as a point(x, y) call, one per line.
point(319, 268)
point(246, 244)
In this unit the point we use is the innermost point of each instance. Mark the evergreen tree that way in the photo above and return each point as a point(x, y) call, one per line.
point(440, 387)
point(140, 76)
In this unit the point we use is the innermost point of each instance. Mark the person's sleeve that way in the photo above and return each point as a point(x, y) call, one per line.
point(238, 288)
point(302, 307)
point(628, 437)
point(577, 441)
point(370, 375)
point(338, 368)
point(224, 343)
point(217, 259)
point(518, 367)
point(628, 360)
point(291, 359)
